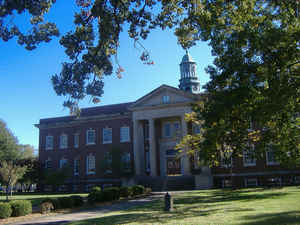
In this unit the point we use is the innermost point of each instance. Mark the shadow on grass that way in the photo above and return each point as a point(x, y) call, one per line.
point(284, 218)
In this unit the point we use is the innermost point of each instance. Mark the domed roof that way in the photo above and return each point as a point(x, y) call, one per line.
point(187, 57)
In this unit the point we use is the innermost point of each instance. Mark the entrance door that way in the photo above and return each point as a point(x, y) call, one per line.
point(173, 166)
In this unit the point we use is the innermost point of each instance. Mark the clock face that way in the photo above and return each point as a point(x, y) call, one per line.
point(195, 88)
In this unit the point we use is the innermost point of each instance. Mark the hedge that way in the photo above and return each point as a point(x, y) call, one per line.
point(5, 210)
point(138, 190)
point(77, 200)
point(125, 192)
point(110, 194)
point(66, 202)
point(21, 207)
point(95, 195)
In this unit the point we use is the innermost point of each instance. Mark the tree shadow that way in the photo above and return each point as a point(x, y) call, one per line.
point(284, 218)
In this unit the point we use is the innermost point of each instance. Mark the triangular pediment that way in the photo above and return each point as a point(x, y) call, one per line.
point(161, 94)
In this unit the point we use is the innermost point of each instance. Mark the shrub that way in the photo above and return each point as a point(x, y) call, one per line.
point(77, 200)
point(55, 202)
point(21, 207)
point(110, 194)
point(66, 202)
point(5, 210)
point(148, 190)
point(137, 190)
point(46, 207)
point(125, 192)
point(95, 195)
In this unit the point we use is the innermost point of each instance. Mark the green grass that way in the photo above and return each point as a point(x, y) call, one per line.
point(215, 207)
point(35, 198)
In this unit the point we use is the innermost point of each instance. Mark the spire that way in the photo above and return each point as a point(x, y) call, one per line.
point(189, 78)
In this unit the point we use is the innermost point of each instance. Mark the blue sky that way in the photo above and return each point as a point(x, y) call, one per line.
point(27, 94)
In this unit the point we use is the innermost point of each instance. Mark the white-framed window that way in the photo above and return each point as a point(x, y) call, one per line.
point(48, 163)
point(126, 162)
point(108, 162)
point(124, 134)
point(107, 135)
point(167, 130)
point(49, 142)
point(176, 129)
point(249, 157)
point(63, 141)
point(270, 156)
point(90, 137)
point(63, 163)
point(165, 99)
point(250, 182)
point(76, 140)
point(76, 166)
point(90, 164)
point(196, 128)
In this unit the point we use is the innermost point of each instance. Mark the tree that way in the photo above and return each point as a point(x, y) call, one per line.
point(32, 174)
point(255, 76)
point(10, 173)
point(26, 151)
point(8, 144)
point(56, 177)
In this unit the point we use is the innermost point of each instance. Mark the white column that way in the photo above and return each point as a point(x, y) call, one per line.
point(136, 147)
point(152, 150)
point(185, 162)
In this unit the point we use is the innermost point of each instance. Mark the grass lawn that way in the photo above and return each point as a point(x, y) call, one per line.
point(35, 198)
point(246, 206)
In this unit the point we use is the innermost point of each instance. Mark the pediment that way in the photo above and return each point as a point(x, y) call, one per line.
point(156, 97)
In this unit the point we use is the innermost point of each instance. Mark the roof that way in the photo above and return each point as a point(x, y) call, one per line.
point(187, 58)
point(92, 111)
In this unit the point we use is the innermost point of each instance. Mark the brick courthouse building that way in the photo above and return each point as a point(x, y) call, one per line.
point(144, 133)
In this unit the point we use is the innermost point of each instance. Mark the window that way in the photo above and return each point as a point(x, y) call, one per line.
point(250, 182)
point(62, 163)
point(270, 156)
point(249, 157)
point(76, 166)
point(226, 161)
point(126, 162)
point(62, 188)
point(196, 129)
point(176, 129)
point(63, 141)
point(49, 142)
point(124, 134)
point(48, 164)
point(90, 137)
point(167, 130)
point(108, 162)
point(166, 99)
point(75, 187)
point(90, 164)
point(76, 140)
point(107, 135)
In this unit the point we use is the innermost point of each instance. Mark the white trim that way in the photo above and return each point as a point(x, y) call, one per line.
point(127, 137)
point(46, 142)
point(87, 164)
point(163, 131)
point(103, 131)
point(87, 137)
point(61, 141)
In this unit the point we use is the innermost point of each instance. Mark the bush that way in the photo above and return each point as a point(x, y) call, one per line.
point(138, 190)
point(95, 195)
point(46, 207)
point(112, 193)
point(55, 202)
point(77, 200)
point(125, 192)
point(148, 190)
point(21, 207)
point(66, 202)
point(5, 210)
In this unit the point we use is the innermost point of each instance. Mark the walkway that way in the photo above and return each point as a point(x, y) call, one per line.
point(87, 214)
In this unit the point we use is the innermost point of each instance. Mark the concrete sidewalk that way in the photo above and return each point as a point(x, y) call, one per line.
point(87, 214)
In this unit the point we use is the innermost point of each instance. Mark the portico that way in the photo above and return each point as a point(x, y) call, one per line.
point(159, 125)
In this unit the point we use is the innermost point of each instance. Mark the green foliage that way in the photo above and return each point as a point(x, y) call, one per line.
point(138, 190)
point(125, 192)
point(5, 210)
point(46, 207)
point(57, 177)
point(21, 207)
point(77, 200)
point(111, 194)
point(96, 195)
point(66, 202)
point(55, 202)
